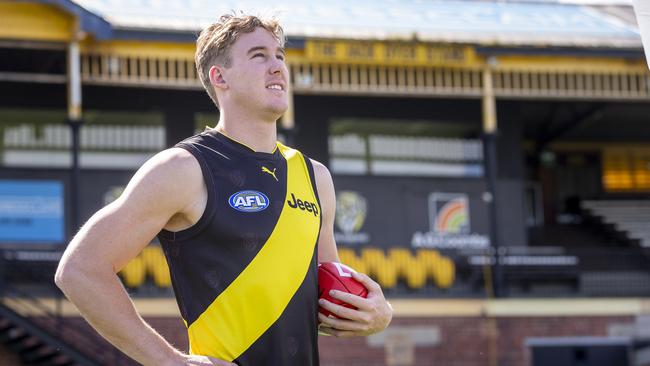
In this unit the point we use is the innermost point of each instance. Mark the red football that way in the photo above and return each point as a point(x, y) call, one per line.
point(337, 276)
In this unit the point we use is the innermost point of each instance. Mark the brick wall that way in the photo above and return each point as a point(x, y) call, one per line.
point(467, 341)
point(458, 341)
point(464, 341)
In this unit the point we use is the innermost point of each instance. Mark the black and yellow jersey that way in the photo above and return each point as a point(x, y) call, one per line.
point(245, 275)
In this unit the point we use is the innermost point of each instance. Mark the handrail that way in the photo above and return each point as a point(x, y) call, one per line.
point(72, 337)
point(82, 344)
point(72, 352)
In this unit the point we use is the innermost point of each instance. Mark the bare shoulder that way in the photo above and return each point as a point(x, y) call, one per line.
point(174, 160)
point(173, 176)
point(320, 171)
point(173, 165)
point(324, 183)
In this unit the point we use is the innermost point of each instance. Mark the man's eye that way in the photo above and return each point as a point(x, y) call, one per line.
point(281, 57)
point(258, 55)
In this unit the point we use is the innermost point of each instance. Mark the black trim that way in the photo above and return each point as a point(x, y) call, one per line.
point(136, 34)
point(634, 53)
point(183, 36)
point(312, 178)
point(296, 43)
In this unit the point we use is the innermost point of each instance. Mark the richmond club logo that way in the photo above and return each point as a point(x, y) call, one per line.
point(351, 212)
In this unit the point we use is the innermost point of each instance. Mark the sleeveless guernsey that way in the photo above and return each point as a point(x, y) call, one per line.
point(245, 275)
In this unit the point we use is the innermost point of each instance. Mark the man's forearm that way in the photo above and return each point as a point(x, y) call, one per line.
point(104, 303)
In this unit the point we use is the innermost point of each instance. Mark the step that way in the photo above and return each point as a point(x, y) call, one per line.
point(58, 360)
point(23, 347)
point(6, 327)
point(43, 356)
point(617, 203)
point(16, 344)
point(28, 350)
point(12, 335)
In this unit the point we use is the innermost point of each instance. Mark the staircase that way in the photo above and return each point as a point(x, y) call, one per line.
point(37, 332)
point(629, 217)
point(609, 264)
point(34, 345)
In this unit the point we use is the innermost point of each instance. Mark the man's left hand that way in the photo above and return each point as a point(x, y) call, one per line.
point(373, 313)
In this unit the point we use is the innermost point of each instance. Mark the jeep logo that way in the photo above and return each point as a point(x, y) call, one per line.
point(303, 205)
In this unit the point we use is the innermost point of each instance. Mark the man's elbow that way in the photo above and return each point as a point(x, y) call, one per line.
point(62, 276)
point(66, 274)
point(76, 271)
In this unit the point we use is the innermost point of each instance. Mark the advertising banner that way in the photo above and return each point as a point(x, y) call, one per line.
point(31, 211)
point(411, 212)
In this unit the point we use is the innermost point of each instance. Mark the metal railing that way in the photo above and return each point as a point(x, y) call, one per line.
point(585, 271)
point(77, 339)
point(403, 80)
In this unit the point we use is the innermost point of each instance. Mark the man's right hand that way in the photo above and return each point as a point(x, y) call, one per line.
point(195, 360)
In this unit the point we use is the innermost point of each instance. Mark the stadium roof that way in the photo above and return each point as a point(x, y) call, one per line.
point(609, 24)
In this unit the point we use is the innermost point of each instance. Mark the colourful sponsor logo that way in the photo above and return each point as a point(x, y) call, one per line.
point(449, 213)
point(249, 201)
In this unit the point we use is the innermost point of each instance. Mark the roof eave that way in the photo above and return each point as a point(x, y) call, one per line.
point(89, 22)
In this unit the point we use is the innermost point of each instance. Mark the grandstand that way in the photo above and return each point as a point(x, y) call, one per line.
point(629, 217)
point(491, 162)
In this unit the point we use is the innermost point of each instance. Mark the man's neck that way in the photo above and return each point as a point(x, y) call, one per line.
point(259, 135)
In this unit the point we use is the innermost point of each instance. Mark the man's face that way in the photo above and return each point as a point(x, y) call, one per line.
point(258, 78)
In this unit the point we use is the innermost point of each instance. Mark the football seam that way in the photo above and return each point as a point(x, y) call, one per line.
point(347, 289)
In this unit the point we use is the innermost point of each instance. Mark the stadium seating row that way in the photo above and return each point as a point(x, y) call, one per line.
point(386, 267)
point(628, 216)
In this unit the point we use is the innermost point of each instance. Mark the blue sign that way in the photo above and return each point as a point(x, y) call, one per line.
point(31, 211)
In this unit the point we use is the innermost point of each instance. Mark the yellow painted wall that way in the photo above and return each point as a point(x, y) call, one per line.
point(160, 50)
point(167, 50)
point(570, 64)
point(34, 22)
point(388, 53)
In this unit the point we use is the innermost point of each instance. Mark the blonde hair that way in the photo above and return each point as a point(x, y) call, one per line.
point(214, 43)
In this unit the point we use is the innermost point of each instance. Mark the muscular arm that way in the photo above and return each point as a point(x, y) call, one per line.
point(374, 313)
point(326, 244)
point(162, 191)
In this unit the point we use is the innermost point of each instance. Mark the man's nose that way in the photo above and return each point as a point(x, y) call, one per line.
point(276, 66)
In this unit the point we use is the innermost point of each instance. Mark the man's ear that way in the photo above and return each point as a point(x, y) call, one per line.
point(216, 77)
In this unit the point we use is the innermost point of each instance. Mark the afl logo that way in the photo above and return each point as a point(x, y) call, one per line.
point(249, 201)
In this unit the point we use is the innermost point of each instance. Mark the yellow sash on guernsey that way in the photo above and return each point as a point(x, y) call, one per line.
point(258, 296)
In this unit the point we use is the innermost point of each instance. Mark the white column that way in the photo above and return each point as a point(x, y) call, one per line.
point(642, 11)
point(74, 81)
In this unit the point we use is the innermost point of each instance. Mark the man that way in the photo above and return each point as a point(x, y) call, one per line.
point(242, 219)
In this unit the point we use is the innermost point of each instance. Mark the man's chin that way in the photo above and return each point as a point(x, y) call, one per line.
point(277, 111)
